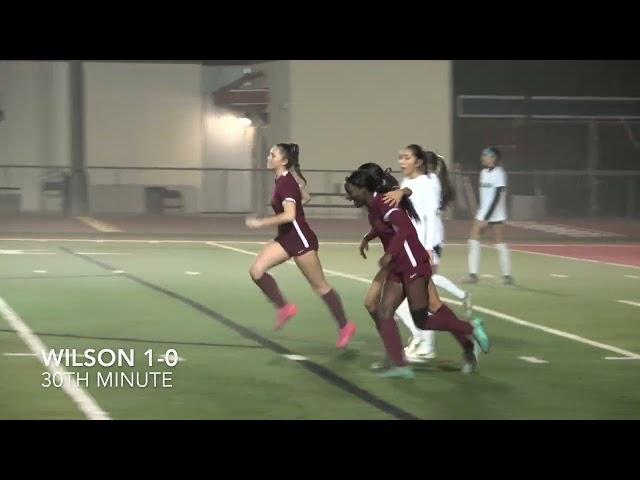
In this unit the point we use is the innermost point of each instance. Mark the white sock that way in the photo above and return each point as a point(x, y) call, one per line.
point(404, 315)
point(504, 256)
point(428, 340)
point(449, 286)
point(474, 256)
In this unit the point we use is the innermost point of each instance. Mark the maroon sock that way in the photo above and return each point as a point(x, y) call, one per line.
point(445, 319)
point(390, 334)
point(332, 299)
point(270, 288)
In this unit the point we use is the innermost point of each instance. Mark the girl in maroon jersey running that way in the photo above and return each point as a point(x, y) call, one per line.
point(408, 272)
point(295, 240)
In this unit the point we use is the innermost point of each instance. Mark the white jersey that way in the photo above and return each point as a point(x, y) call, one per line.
point(426, 198)
point(490, 181)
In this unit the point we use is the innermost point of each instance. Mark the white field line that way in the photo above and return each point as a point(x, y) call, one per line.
point(573, 258)
point(98, 225)
point(104, 253)
point(26, 252)
point(80, 397)
point(79, 355)
point(488, 311)
point(559, 275)
point(514, 247)
point(628, 302)
point(295, 358)
point(632, 276)
point(533, 360)
point(263, 242)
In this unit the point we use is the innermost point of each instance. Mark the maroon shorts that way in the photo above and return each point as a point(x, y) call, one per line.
point(295, 244)
point(422, 270)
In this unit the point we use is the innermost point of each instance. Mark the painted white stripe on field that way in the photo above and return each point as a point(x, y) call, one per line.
point(163, 358)
point(488, 311)
point(487, 275)
point(118, 271)
point(98, 225)
point(103, 253)
point(80, 397)
point(78, 355)
point(574, 258)
point(533, 360)
point(39, 271)
point(621, 358)
point(26, 252)
point(296, 358)
point(559, 275)
point(262, 242)
point(192, 273)
point(629, 302)
point(632, 276)
point(564, 230)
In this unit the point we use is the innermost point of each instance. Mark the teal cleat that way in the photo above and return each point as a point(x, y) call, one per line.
point(398, 372)
point(480, 335)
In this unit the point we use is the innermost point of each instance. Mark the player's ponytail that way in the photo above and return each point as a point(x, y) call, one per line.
point(292, 154)
point(436, 164)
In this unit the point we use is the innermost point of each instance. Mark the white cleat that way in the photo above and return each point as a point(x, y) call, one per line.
point(412, 346)
point(421, 353)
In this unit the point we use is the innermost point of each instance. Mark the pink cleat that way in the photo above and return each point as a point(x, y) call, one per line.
point(346, 333)
point(285, 314)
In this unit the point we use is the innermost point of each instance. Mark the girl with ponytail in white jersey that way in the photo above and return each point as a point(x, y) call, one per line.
point(426, 181)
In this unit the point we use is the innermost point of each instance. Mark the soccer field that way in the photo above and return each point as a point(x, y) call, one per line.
point(564, 346)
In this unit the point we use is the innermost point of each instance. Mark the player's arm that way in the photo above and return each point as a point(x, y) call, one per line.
point(494, 203)
point(287, 216)
point(432, 203)
point(364, 244)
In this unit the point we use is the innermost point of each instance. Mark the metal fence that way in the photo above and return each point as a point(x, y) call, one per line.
point(175, 190)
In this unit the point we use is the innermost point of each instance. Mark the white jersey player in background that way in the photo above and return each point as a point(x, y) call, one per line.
point(491, 212)
point(423, 171)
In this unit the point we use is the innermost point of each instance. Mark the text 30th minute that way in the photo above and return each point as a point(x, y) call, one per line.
point(106, 358)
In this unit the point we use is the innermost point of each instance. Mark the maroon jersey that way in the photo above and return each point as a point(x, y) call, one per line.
point(296, 237)
point(398, 236)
